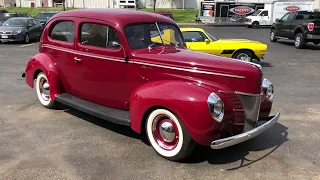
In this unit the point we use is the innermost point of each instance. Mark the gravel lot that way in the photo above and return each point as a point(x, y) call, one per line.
point(37, 143)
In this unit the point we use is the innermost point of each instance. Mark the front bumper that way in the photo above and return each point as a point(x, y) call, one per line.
point(233, 140)
point(18, 37)
point(248, 23)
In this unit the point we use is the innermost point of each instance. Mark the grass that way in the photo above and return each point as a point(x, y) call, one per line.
point(180, 15)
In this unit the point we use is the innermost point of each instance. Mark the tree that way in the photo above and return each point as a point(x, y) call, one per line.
point(154, 5)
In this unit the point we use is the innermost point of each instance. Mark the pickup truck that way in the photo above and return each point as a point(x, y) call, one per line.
point(300, 26)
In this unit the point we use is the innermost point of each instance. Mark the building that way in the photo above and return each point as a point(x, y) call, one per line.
point(119, 3)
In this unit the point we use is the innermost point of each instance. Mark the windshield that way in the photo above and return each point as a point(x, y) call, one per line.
point(256, 13)
point(211, 37)
point(45, 15)
point(146, 35)
point(15, 23)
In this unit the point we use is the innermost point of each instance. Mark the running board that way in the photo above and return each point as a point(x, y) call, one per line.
point(113, 115)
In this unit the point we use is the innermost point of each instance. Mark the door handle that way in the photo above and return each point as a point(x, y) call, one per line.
point(77, 60)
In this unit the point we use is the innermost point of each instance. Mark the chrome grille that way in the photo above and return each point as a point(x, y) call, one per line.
point(251, 106)
point(5, 32)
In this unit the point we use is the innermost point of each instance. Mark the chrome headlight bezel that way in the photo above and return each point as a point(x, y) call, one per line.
point(216, 107)
point(268, 89)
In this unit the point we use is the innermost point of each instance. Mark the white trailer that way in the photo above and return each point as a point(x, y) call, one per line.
point(274, 10)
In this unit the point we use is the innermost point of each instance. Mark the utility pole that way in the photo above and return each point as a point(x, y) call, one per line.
point(64, 5)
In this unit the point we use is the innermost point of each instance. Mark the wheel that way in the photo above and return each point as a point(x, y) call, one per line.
point(316, 43)
point(27, 39)
point(255, 24)
point(243, 55)
point(273, 36)
point(168, 136)
point(43, 92)
point(299, 41)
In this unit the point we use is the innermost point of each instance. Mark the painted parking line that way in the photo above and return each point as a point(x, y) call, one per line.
point(28, 44)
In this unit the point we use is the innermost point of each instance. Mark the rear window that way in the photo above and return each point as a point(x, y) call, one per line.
point(308, 15)
point(45, 15)
point(5, 16)
point(63, 31)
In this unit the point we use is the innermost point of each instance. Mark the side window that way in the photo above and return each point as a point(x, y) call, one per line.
point(285, 17)
point(98, 35)
point(194, 36)
point(30, 23)
point(37, 23)
point(63, 31)
point(264, 13)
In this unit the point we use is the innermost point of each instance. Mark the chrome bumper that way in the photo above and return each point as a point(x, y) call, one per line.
point(230, 141)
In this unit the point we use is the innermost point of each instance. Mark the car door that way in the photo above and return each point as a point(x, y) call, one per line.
point(283, 25)
point(264, 18)
point(198, 41)
point(32, 29)
point(38, 28)
point(100, 67)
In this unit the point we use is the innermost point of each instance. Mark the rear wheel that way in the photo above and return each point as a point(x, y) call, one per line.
point(273, 36)
point(43, 91)
point(243, 55)
point(168, 136)
point(316, 42)
point(299, 41)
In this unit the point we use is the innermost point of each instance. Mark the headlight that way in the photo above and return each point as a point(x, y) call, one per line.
point(267, 87)
point(216, 107)
point(17, 32)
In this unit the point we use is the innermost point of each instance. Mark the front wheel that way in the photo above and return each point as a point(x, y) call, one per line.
point(255, 24)
point(168, 136)
point(273, 36)
point(43, 91)
point(27, 39)
point(243, 55)
point(316, 43)
point(299, 41)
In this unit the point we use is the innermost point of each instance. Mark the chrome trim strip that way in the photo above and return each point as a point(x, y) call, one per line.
point(233, 140)
point(142, 63)
point(191, 70)
point(82, 54)
point(247, 94)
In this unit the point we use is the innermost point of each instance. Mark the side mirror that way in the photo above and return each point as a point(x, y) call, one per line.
point(277, 20)
point(207, 40)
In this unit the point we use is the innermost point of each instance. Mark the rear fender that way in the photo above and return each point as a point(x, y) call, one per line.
point(185, 99)
point(43, 63)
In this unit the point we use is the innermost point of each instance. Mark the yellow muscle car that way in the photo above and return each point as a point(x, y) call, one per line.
point(198, 39)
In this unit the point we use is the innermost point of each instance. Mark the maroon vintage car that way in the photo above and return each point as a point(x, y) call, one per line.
point(118, 66)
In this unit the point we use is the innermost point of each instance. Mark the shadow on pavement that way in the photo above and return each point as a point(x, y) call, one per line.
point(272, 138)
point(309, 45)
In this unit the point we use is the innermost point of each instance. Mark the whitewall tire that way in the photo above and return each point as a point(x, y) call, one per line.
point(43, 91)
point(168, 136)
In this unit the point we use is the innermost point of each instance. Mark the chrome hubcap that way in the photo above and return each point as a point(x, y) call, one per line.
point(297, 41)
point(44, 89)
point(272, 35)
point(165, 132)
point(27, 38)
point(244, 57)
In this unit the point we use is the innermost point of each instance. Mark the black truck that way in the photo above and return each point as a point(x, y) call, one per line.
point(300, 26)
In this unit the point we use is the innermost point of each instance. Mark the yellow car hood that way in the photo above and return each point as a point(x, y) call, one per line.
point(237, 41)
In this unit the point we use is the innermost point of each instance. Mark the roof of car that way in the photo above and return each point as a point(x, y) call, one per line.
point(22, 18)
point(121, 17)
point(191, 29)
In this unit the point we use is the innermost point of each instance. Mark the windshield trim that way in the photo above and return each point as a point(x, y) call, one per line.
point(257, 12)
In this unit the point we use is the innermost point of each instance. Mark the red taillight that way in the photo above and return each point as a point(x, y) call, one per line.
point(310, 26)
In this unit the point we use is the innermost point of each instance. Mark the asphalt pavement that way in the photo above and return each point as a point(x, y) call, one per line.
point(38, 143)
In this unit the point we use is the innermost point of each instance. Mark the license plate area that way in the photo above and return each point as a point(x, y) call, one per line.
point(4, 36)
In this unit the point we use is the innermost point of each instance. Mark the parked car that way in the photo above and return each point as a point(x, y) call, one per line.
point(300, 26)
point(43, 17)
point(167, 14)
point(3, 11)
point(198, 39)
point(6, 16)
point(115, 71)
point(20, 29)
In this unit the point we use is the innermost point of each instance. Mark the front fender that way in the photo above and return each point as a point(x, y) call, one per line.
point(43, 63)
point(187, 100)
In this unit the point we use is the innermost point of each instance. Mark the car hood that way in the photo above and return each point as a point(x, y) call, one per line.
point(237, 41)
point(10, 29)
point(238, 75)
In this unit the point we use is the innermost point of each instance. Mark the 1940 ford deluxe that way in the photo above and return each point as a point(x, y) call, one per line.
point(115, 64)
